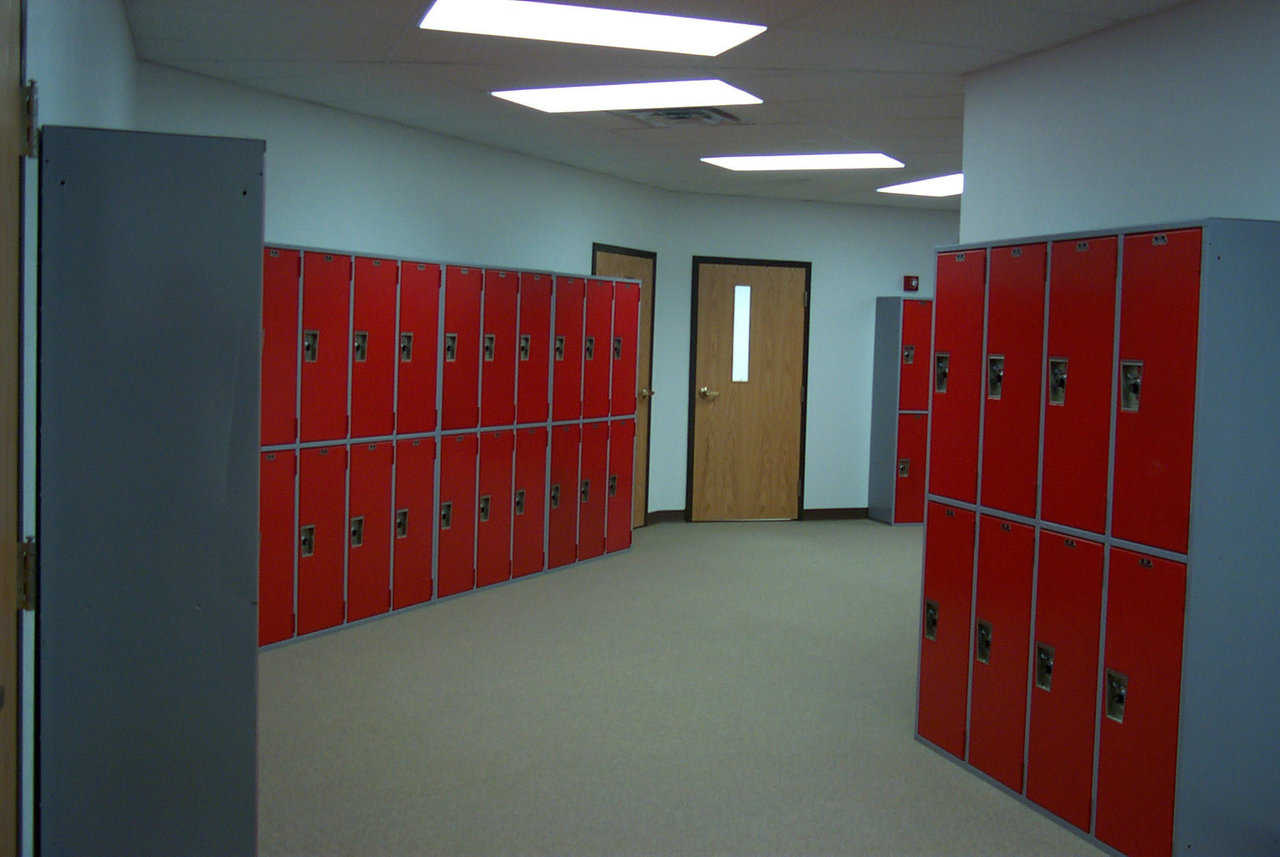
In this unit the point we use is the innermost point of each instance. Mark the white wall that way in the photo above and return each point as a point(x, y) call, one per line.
point(339, 180)
point(1175, 116)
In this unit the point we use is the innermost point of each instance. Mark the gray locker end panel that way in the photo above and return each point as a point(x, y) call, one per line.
point(1229, 744)
point(884, 410)
point(150, 280)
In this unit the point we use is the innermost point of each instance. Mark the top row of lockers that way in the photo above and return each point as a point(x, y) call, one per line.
point(365, 347)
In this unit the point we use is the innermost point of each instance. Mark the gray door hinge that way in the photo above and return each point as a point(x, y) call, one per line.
point(27, 574)
point(31, 119)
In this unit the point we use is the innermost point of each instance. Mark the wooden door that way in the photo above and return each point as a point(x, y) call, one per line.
point(747, 435)
point(636, 265)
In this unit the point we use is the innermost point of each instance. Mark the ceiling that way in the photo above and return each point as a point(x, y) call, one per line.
point(835, 75)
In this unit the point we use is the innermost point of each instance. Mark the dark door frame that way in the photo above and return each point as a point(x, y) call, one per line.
point(693, 368)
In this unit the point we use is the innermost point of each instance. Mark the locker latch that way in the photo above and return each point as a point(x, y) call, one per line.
point(526, 343)
point(451, 347)
point(519, 502)
point(617, 348)
point(904, 468)
point(591, 348)
point(931, 620)
point(995, 375)
point(1130, 385)
point(586, 490)
point(1058, 381)
point(613, 485)
point(311, 345)
point(446, 515)
point(402, 523)
point(984, 642)
point(362, 346)
point(485, 502)
point(1117, 693)
point(559, 347)
point(490, 346)
point(555, 496)
point(307, 538)
point(406, 347)
point(357, 532)
point(908, 355)
point(1044, 666)
point(942, 368)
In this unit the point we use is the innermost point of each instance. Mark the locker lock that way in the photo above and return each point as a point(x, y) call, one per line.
point(406, 347)
point(402, 523)
point(904, 468)
point(559, 347)
point(490, 347)
point(519, 502)
point(311, 345)
point(357, 532)
point(362, 346)
point(995, 376)
point(908, 355)
point(1058, 381)
point(931, 620)
point(591, 348)
point(1130, 385)
point(617, 348)
point(942, 369)
point(613, 485)
point(486, 502)
point(555, 496)
point(307, 538)
point(446, 515)
point(526, 343)
point(451, 347)
point(1044, 666)
point(586, 490)
point(984, 642)
point(1117, 693)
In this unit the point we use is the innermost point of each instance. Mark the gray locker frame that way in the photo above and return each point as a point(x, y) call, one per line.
point(1227, 781)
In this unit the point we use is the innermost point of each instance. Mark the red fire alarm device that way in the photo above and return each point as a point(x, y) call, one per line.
point(910, 283)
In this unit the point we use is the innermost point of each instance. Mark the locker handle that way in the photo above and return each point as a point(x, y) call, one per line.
point(362, 346)
point(485, 502)
point(1058, 381)
point(617, 348)
point(908, 355)
point(904, 468)
point(402, 523)
point(1130, 385)
point(526, 345)
point(357, 532)
point(984, 642)
point(559, 347)
point(1044, 666)
point(451, 347)
point(931, 620)
point(1117, 695)
point(406, 347)
point(307, 538)
point(995, 376)
point(311, 345)
point(555, 496)
point(591, 348)
point(941, 370)
point(519, 502)
point(613, 485)
point(586, 491)
point(490, 347)
point(446, 515)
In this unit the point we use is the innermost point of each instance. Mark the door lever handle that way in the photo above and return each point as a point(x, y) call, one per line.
point(708, 393)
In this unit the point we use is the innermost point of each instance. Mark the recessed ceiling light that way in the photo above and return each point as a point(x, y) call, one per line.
point(952, 185)
point(845, 161)
point(583, 25)
point(630, 96)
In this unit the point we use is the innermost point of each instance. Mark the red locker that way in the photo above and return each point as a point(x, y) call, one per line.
point(534, 349)
point(457, 519)
point(956, 374)
point(917, 337)
point(1006, 559)
point(626, 320)
point(280, 272)
point(417, 347)
point(596, 349)
point(275, 546)
point(1137, 760)
point(566, 377)
point(463, 291)
point(493, 527)
point(562, 496)
point(369, 530)
point(326, 332)
point(1015, 340)
point(412, 523)
point(1077, 416)
point(498, 349)
point(944, 652)
point(592, 489)
point(908, 502)
point(622, 445)
point(1159, 314)
point(322, 537)
point(529, 502)
point(373, 347)
point(1065, 676)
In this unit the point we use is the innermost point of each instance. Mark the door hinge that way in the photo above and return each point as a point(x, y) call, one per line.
point(27, 574)
point(30, 119)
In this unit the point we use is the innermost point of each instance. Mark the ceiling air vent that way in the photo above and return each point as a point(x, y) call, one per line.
point(677, 116)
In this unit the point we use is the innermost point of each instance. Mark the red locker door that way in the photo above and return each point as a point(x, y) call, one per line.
point(944, 652)
point(498, 349)
point(1015, 340)
point(322, 537)
point(626, 320)
point(1159, 314)
point(622, 444)
point(529, 502)
point(493, 530)
point(417, 347)
point(917, 336)
point(566, 377)
point(457, 568)
point(412, 524)
point(1142, 680)
point(373, 347)
point(369, 530)
point(1065, 676)
point(956, 374)
point(534, 349)
point(1077, 415)
point(596, 351)
point(908, 502)
point(1006, 559)
point(562, 496)
point(275, 546)
point(280, 271)
point(592, 489)
point(463, 290)
point(326, 329)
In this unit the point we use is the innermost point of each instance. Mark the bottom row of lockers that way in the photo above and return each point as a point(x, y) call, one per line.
point(1051, 660)
point(367, 525)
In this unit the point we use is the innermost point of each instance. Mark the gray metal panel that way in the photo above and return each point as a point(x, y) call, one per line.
point(884, 410)
point(150, 279)
point(1228, 776)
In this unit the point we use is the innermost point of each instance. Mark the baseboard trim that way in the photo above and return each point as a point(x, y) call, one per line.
point(852, 514)
point(666, 516)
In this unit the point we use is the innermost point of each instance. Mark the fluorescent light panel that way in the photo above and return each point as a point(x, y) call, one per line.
point(845, 161)
point(630, 96)
point(952, 185)
point(581, 25)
